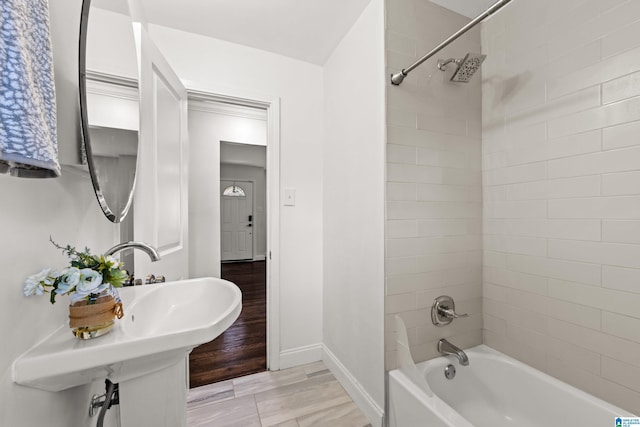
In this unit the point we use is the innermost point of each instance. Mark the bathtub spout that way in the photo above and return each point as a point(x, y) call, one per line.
point(445, 347)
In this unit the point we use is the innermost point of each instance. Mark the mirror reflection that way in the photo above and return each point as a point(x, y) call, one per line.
point(110, 103)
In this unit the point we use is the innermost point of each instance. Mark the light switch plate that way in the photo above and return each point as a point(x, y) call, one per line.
point(289, 197)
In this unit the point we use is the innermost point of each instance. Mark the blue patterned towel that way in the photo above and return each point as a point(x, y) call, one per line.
point(28, 145)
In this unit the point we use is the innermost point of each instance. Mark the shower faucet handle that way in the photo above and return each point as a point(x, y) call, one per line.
point(450, 313)
point(443, 311)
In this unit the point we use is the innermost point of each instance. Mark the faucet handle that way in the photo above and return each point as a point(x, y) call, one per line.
point(443, 311)
point(154, 279)
point(450, 313)
point(130, 280)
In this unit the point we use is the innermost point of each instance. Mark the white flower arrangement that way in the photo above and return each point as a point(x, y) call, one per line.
point(86, 277)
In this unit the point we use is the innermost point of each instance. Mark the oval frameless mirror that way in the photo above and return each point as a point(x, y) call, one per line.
point(109, 102)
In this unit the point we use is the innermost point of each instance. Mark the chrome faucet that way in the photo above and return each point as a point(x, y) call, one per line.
point(149, 250)
point(443, 311)
point(445, 347)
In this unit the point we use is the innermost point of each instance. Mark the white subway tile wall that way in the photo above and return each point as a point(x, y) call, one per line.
point(522, 203)
point(434, 182)
point(561, 186)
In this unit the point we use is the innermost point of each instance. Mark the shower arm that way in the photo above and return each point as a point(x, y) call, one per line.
point(443, 64)
point(397, 78)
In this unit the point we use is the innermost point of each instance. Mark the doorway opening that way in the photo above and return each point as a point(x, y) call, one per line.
point(241, 201)
point(241, 349)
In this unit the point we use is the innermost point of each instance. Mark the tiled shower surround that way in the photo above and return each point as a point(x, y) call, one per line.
point(561, 186)
point(434, 181)
point(560, 131)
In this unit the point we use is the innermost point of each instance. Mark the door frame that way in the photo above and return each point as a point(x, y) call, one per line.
point(272, 107)
point(254, 237)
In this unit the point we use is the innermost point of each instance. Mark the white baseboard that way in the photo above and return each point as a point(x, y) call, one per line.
point(260, 258)
point(358, 394)
point(300, 356)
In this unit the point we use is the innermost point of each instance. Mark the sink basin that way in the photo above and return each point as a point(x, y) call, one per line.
point(162, 324)
point(174, 309)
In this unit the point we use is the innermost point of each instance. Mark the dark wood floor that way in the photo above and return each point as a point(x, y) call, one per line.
point(241, 349)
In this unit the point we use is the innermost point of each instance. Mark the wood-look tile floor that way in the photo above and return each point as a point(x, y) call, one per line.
point(302, 396)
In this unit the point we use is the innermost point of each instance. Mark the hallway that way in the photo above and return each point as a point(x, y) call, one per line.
point(241, 349)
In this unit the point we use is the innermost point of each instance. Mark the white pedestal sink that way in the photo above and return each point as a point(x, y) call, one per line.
point(162, 324)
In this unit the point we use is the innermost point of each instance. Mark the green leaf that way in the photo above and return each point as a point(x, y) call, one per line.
point(116, 277)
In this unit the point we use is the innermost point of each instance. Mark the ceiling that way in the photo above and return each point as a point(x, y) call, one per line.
point(304, 29)
point(243, 154)
point(308, 30)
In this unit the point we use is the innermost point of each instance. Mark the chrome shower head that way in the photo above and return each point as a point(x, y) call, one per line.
point(467, 66)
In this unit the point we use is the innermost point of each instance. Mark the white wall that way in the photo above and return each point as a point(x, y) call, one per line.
point(204, 178)
point(66, 209)
point(111, 47)
point(353, 211)
point(215, 66)
point(258, 177)
point(434, 200)
point(32, 210)
point(561, 151)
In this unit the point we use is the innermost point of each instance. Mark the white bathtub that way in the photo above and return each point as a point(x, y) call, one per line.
point(493, 391)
